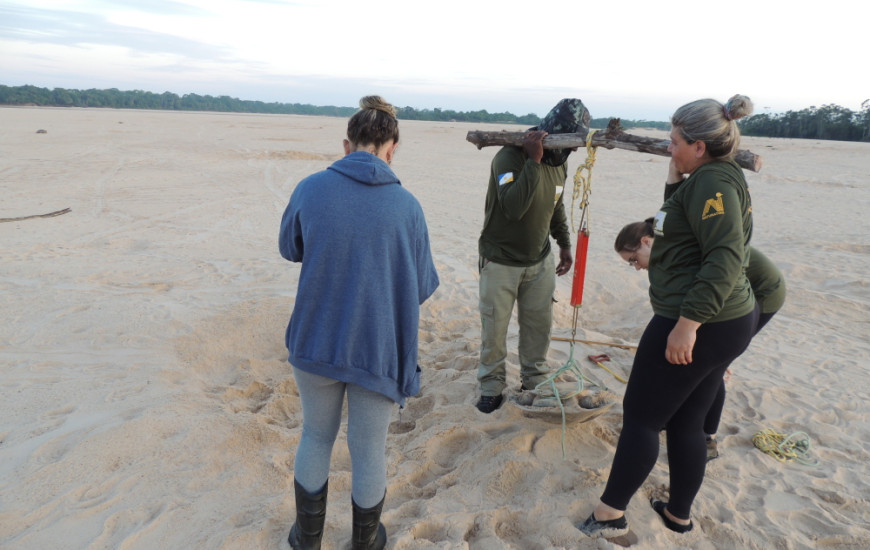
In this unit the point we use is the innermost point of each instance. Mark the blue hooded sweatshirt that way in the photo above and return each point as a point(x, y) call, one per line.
point(366, 268)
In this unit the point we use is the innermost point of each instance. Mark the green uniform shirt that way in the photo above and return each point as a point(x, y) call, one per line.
point(701, 247)
point(523, 208)
point(767, 281)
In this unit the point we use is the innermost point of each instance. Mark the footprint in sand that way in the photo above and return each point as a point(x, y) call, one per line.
point(415, 409)
point(51, 420)
point(431, 531)
point(443, 451)
point(251, 399)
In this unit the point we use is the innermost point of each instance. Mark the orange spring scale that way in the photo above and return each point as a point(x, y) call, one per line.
point(579, 267)
point(582, 190)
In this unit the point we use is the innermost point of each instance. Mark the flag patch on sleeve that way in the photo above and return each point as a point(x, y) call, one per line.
point(507, 177)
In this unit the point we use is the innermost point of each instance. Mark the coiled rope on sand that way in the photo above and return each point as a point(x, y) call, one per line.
point(785, 448)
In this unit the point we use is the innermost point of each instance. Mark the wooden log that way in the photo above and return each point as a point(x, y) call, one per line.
point(594, 343)
point(613, 137)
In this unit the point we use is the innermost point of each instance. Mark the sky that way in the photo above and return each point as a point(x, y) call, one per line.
point(636, 60)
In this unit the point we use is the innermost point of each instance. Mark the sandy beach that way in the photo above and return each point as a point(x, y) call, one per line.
point(146, 401)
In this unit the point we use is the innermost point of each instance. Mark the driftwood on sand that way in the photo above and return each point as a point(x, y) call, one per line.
point(613, 137)
point(49, 215)
point(595, 343)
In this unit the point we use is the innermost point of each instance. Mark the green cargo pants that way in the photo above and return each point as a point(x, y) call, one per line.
point(532, 289)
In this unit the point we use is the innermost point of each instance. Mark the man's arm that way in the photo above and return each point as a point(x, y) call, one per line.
point(517, 182)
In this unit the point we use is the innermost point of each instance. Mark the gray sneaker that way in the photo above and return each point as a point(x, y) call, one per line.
point(604, 529)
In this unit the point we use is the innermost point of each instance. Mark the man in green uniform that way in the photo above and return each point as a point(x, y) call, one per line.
point(523, 210)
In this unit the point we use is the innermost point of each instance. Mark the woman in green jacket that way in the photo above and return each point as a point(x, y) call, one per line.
point(705, 315)
point(634, 244)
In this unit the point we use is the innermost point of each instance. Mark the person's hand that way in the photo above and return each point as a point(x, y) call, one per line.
point(565, 261)
point(681, 341)
point(674, 175)
point(533, 144)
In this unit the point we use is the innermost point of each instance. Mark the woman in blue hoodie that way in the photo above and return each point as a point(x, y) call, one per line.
point(366, 268)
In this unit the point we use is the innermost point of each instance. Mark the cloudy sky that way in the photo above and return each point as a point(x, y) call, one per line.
point(624, 58)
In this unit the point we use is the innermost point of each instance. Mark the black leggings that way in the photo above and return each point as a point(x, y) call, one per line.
point(662, 396)
point(711, 423)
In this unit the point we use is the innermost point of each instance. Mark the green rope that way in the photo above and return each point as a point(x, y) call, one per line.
point(570, 366)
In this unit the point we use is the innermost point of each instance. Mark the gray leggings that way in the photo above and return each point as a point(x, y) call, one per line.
point(368, 417)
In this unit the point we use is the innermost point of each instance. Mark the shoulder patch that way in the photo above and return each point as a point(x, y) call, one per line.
point(713, 207)
point(507, 177)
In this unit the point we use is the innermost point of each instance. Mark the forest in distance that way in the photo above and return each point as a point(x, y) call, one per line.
point(828, 122)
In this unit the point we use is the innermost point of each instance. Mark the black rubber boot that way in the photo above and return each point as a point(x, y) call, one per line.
point(307, 532)
point(368, 531)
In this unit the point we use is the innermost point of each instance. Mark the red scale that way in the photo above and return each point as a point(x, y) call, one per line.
point(580, 267)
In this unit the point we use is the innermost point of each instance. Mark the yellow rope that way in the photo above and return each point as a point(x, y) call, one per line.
point(785, 447)
point(583, 183)
point(621, 379)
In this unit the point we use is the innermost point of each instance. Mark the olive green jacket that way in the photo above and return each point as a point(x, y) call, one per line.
point(523, 209)
point(701, 248)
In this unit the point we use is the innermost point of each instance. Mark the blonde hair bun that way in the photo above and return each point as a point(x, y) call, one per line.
point(377, 103)
point(737, 107)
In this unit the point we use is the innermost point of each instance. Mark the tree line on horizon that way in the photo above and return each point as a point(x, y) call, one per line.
point(168, 101)
point(829, 122)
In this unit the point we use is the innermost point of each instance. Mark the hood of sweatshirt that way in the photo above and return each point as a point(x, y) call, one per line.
point(365, 168)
